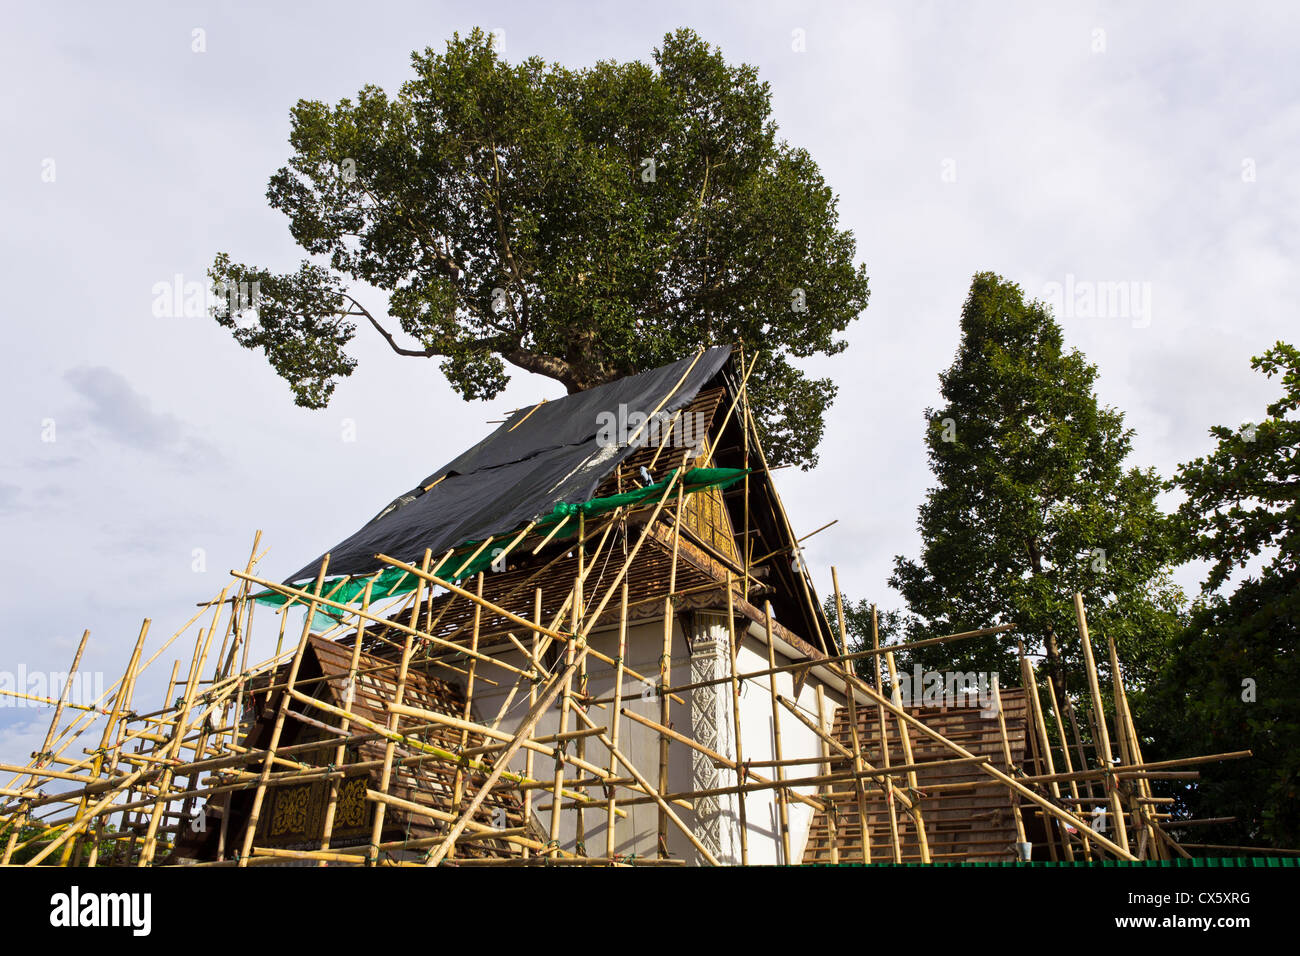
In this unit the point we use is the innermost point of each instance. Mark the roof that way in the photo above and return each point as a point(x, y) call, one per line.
point(548, 454)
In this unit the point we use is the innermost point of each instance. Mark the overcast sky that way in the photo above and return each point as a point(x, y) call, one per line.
point(1150, 144)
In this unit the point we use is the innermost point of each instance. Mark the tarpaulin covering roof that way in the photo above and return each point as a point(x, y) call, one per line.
point(542, 456)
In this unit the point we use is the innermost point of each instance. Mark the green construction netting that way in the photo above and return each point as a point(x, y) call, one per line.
point(394, 581)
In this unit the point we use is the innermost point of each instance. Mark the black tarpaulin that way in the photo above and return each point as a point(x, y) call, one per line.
point(540, 457)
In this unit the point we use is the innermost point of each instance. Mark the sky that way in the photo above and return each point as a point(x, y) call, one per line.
point(1151, 148)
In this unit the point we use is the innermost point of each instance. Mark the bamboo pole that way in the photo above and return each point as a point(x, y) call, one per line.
point(1016, 818)
point(884, 742)
point(654, 794)
point(571, 663)
point(390, 745)
point(832, 813)
point(1103, 737)
point(532, 702)
point(120, 713)
point(1030, 681)
point(718, 759)
point(665, 672)
point(733, 651)
point(580, 824)
point(783, 806)
point(1129, 755)
point(611, 842)
point(905, 736)
point(458, 781)
point(1069, 763)
point(340, 752)
point(878, 777)
point(178, 735)
point(286, 697)
point(40, 755)
point(853, 725)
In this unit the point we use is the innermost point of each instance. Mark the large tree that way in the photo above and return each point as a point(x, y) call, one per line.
point(581, 224)
point(1232, 682)
point(1033, 501)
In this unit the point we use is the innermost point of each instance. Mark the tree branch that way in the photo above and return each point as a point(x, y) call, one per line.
point(388, 337)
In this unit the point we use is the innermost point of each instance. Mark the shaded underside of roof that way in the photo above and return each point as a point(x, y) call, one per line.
point(551, 453)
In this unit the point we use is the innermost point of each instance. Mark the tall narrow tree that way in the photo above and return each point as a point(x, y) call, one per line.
point(1033, 501)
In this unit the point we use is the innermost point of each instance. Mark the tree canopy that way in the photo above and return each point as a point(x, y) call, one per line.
point(1231, 682)
point(1034, 501)
point(582, 224)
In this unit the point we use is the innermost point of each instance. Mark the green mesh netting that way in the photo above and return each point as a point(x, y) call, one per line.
point(394, 581)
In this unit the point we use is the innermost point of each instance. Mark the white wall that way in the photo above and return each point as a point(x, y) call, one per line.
point(636, 832)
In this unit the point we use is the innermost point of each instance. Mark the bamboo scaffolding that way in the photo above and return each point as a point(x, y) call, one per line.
point(442, 738)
